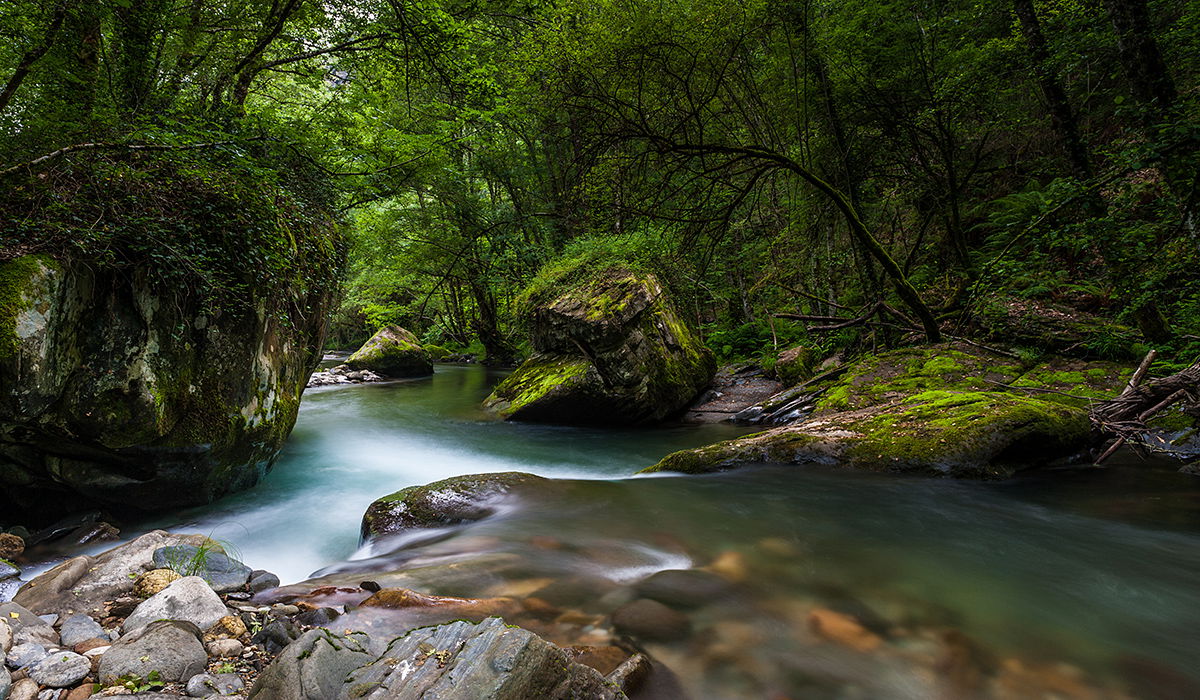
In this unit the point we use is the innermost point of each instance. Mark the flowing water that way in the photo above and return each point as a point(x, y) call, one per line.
point(1079, 582)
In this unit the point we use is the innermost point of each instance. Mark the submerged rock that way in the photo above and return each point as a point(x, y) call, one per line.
point(609, 349)
point(114, 390)
point(452, 501)
point(937, 411)
point(392, 352)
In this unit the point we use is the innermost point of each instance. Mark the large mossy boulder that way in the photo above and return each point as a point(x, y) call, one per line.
point(609, 348)
point(941, 411)
point(392, 352)
point(156, 360)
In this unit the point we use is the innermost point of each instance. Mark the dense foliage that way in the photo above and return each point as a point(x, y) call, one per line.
point(925, 167)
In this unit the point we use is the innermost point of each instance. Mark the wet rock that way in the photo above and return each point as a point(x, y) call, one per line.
point(261, 581)
point(843, 629)
point(462, 660)
point(632, 674)
point(79, 628)
point(276, 636)
point(466, 608)
point(730, 565)
point(188, 599)
point(60, 669)
point(451, 501)
point(8, 570)
point(206, 685)
point(392, 352)
point(685, 588)
point(84, 584)
point(170, 647)
point(23, 655)
point(154, 581)
point(608, 349)
point(603, 659)
point(314, 667)
point(318, 617)
point(651, 620)
point(222, 572)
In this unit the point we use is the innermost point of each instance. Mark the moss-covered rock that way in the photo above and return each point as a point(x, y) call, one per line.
point(610, 348)
point(452, 501)
point(947, 410)
point(392, 352)
point(794, 365)
point(437, 353)
point(156, 358)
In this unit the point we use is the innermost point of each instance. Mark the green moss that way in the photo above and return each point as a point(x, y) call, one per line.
point(535, 379)
point(15, 277)
point(437, 352)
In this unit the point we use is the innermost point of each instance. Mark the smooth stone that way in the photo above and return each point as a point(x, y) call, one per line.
point(23, 655)
point(80, 628)
point(83, 692)
point(685, 588)
point(8, 570)
point(222, 572)
point(262, 580)
point(317, 618)
point(60, 669)
point(207, 685)
point(6, 637)
point(276, 636)
point(225, 648)
point(37, 634)
point(650, 619)
point(23, 689)
point(5, 683)
point(170, 647)
point(19, 617)
point(189, 599)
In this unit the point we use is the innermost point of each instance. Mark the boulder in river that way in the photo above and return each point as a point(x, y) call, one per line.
point(116, 390)
point(392, 352)
point(452, 501)
point(936, 411)
point(610, 348)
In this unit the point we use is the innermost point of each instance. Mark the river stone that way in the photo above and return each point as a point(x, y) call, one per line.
point(24, 689)
point(225, 648)
point(461, 661)
point(685, 588)
point(262, 580)
point(22, 655)
point(83, 584)
point(650, 620)
point(8, 570)
point(189, 599)
point(459, 499)
point(206, 685)
point(170, 647)
point(60, 669)
point(5, 683)
point(6, 637)
point(80, 628)
point(608, 349)
point(222, 573)
point(313, 667)
point(392, 352)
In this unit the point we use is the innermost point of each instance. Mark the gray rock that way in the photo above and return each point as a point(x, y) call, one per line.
point(52, 694)
point(685, 588)
point(84, 584)
point(80, 628)
point(207, 685)
point(313, 667)
point(23, 689)
point(5, 683)
point(276, 636)
point(37, 634)
point(8, 570)
point(6, 637)
point(262, 580)
point(222, 573)
point(461, 661)
point(189, 599)
point(651, 620)
point(225, 648)
point(23, 655)
point(61, 669)
point(19, 617)
point(170, 647)
point(51, 619)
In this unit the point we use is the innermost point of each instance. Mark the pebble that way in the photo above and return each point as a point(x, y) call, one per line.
point(61, 669)
point(283, 610)
point(225, 648)
point(80, 628)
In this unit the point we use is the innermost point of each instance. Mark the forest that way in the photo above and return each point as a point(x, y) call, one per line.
point(784, 166)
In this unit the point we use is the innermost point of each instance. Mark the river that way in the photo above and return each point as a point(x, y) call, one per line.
point(1090, 575)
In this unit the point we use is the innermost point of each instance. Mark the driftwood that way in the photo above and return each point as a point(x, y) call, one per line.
point(1124, 417)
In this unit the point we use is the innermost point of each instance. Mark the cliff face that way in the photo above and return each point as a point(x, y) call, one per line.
point(168, 372)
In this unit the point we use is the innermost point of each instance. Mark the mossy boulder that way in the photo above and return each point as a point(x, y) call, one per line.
point(947, 410)
point(609, 348)
point(452, 501)
point(392, 352)
point(437, 353)
point(794, 365)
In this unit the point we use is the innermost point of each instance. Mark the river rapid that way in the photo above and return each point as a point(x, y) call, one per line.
point(1083, 580)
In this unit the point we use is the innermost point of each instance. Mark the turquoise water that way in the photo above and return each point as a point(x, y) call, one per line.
point(1092, 575)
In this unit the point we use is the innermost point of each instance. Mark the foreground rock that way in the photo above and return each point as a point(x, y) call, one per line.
point(169, 647)
point(392, 352)
point(452, 501)
point(448, 662)
point(119, 392)
point(938, 412)
point(189, 599)
point(83, 584)
point(609, 349)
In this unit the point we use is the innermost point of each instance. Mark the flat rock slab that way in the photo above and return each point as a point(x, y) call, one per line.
point(83, 584)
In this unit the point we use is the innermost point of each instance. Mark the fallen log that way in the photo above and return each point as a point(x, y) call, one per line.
point(1125, 417)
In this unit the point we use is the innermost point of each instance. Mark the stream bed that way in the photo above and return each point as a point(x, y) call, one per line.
point(1083, 582)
